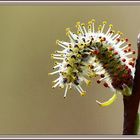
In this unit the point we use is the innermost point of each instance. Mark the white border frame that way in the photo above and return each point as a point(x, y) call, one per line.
point(69, 3)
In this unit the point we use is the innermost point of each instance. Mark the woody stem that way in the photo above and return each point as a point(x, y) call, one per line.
point(131, 103)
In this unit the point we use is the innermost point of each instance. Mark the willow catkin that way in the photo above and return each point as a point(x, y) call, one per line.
point(94, 53)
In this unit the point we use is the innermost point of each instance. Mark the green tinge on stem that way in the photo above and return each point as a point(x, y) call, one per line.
point(127, 91)
point(137, 122)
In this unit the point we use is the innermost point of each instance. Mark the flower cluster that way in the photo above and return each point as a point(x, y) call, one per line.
point(95, 53)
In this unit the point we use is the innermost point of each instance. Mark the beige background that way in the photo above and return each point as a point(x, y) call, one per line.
point(28, 104)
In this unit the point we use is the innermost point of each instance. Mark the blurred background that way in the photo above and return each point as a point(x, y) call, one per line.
point(28, 104)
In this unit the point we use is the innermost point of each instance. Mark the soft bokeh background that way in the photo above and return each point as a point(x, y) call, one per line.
point(28, 104)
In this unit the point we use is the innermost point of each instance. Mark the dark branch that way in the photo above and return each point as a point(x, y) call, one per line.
point(131, 103)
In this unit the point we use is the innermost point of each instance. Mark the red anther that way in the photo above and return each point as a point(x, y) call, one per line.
point(111, 49)
point(102, 75)
point(104, 39)
point(129, 45)
point(126, 67)
point(124, 75)
point(119, 67)
point(125, 51)
point(96, 52)
point(98, 81)
point(115, 52)
point(123, 59)
point(111, 32)
point(126, 39)
point(129, 49)
point(133, 52)
point(130, 63)
point(110, 56)
point(117, 80)
point(129, 70)
point(101, 40)
point(118, 39)
point(106, 85)
point(115, 74)
point(133, 59)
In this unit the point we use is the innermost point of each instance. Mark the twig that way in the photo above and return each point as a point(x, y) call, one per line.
point(131, 103)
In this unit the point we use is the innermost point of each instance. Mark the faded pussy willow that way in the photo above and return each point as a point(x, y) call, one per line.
point(91, 53)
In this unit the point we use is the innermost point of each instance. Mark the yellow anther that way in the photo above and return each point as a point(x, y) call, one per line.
point(119, 32)
point(68, 33)
point(78, 55)
point(82, 24)
point(99, 27)
point(92, 75)
point(93, 20)
point(52, 57)
point(78, 32)
point(89, 26)
point(70, 46)
point(57, 41)
point(78, 23)
point(122, 39)
point(62, 73)
point(89, 22)
point(83, 93)
point(81, 46)
point(74, 78)
point(110, 25)
point(55, 63)
point(67, 29)
point(88, 82)
point(104, 22)
point(61, 86)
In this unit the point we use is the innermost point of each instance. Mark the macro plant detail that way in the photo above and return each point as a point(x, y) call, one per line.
point(91, 53)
